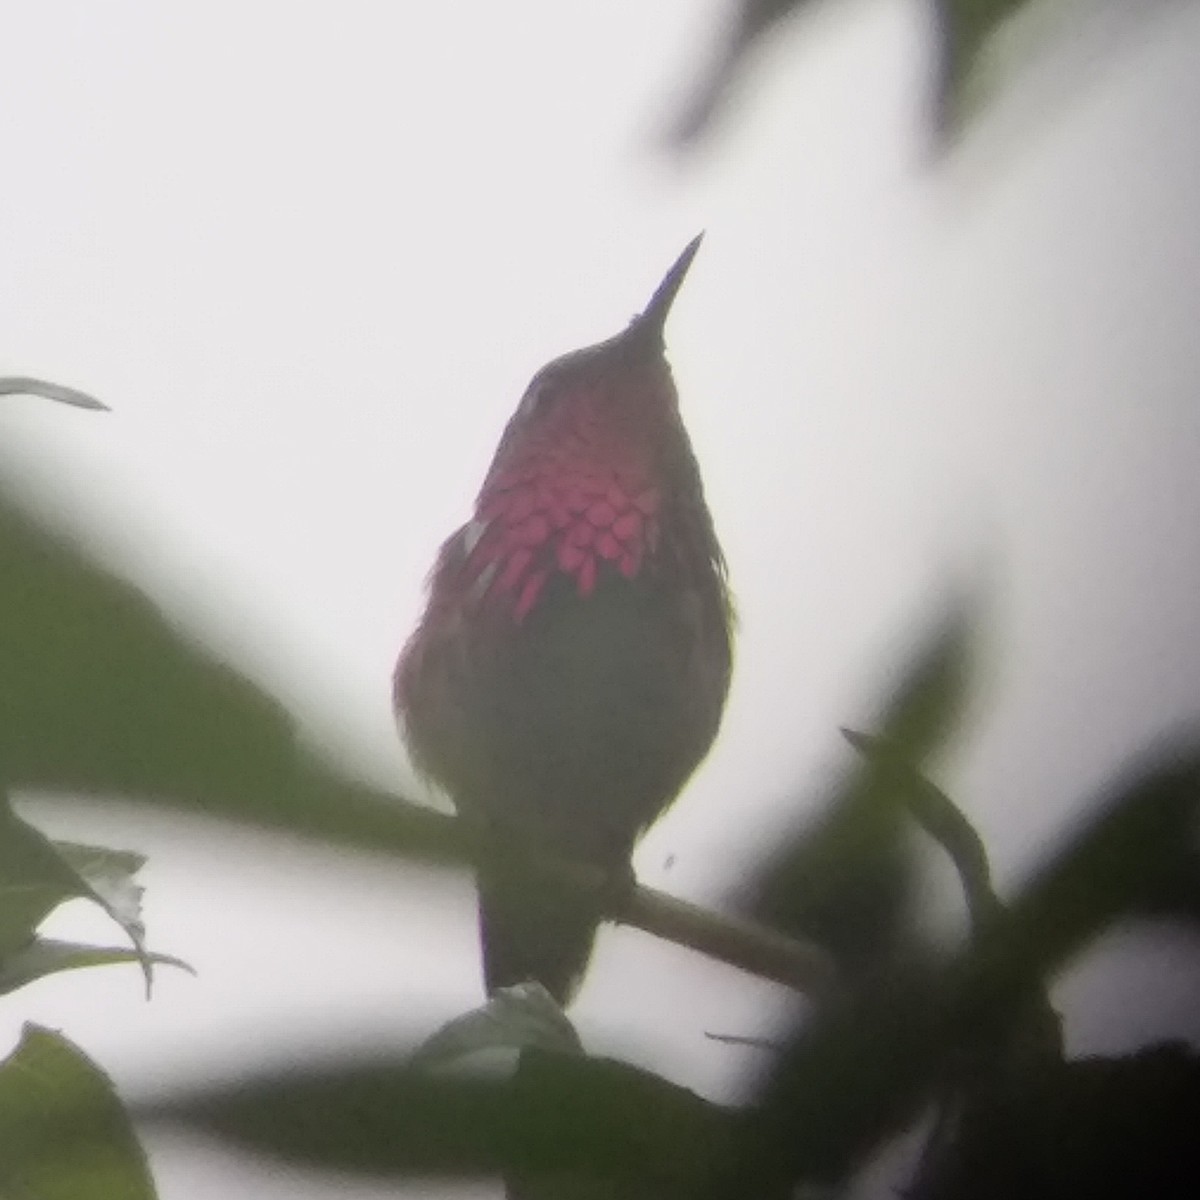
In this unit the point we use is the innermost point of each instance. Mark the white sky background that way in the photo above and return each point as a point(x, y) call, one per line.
point(311, 254)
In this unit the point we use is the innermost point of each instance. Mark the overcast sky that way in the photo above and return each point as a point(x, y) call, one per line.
point(310, 255)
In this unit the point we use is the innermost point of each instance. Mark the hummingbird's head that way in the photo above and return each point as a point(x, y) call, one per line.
point(640, 344)
point(617, 391)
point(591, 463)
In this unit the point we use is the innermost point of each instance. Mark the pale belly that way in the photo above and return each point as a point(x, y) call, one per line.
point(580, 724)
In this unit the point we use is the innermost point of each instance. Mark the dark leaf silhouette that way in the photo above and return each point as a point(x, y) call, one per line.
point(845, 881)
point(865, 1068)
point(559, 1114)
point(963, 31)
point(100, 694)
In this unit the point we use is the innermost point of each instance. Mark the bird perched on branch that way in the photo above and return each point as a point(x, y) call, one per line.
point(571, 666)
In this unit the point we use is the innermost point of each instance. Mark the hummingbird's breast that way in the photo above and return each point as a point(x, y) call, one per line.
point(572, 667)
point(575, 519)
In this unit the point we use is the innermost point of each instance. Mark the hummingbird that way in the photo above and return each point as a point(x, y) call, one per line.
point(572, 663)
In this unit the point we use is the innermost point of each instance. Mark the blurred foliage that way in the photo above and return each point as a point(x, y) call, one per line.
point(965, 33)
point(969, 1035)
point(964, 29)
point(1096, 1127)
point(847, 880)
point(101, 695)
point(556, 1114)
point(954, 1031)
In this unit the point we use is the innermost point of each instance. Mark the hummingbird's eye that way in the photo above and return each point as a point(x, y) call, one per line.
point(539, 396)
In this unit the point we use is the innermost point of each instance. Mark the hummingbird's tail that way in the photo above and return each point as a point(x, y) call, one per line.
point(534, 928)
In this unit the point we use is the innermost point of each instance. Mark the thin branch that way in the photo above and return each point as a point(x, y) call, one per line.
point(943, 820)
point(800, 965)
point(803, 966)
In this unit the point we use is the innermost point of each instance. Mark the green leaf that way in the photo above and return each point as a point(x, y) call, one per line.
point(750, 23)
point(109, 872)
point(928, 702)
point(101, 694)
point(1094, 1127)
point(864, 1069)
point(64, 1135)
point(37, 874)
point(560, 1115)
point(978, 45)
point(514, 1019)
point(12, 385)
point(1136, 856)
point(970, 34)
point(48, 956)
point(108, 875)
point(964, 29)
point(846, 880)
point(34, 881)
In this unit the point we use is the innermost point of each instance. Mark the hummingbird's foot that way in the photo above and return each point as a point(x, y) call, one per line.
point(617, 889)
